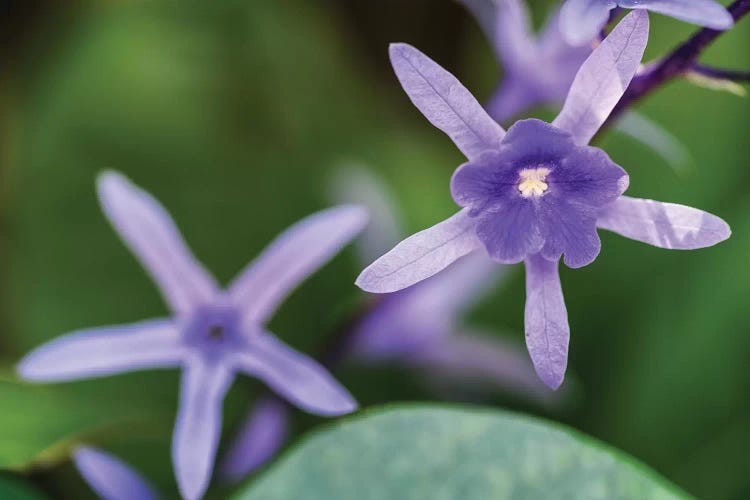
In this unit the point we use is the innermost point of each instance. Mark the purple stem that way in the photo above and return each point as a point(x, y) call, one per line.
point(720, 73)
point(677, 63)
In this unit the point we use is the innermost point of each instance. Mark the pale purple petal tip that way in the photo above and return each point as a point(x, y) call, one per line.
point(706, 13)
point(444, 101)
point(664, 225)
point(151, 234)
point(546, 321)
point(198, 425)
point(263, 433)
point(603, 78)
point(104, 351)
point(293, 256)
point(421, 255)
point(294, 376)
point(111, 478)
point(581, 20)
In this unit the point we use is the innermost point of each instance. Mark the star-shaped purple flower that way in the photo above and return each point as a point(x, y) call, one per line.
point(581, 20)
point(213, 333)
point(537, 193)
point(110, 477)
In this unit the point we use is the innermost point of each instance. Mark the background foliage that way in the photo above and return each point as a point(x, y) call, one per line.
point(234, 113)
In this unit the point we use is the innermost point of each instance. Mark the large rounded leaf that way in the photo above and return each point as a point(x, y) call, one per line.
point(438, 452)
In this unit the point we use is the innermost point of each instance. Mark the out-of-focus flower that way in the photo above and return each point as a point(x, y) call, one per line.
point(537, 193)
point(111, 478)
point(581, 20)
point(420, 327)
point(539, 69)
point(213, 333)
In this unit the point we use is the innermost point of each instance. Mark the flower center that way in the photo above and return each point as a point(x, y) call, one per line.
point(531, 181)
point(216, 332)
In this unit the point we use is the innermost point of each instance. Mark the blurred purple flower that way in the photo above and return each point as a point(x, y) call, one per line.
point(214, 333)
point(581, 20)
point(111, 478)
point(536, 193)
point(539, 70)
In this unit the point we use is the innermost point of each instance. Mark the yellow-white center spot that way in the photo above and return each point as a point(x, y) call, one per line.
point(531, 181)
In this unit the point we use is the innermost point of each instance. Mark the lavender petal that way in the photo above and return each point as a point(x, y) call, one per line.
point(421, 255)
point(706, 13)
point(97, 352)
point(546, 321)
point(581, 20)
point(198, 425)
point(291, 257)
point(664, 225)
point(111, 478)
point(262, 435)
point(294, 376)
point(444, 101)
point(513, 39)
point(603, 78)
point(151, 234)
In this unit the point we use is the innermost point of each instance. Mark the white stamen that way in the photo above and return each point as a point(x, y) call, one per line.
point(531, 181)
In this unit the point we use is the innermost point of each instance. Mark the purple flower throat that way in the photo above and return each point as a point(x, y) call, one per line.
point(538, 192)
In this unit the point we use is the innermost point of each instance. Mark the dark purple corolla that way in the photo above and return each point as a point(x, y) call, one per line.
point(581, 20)
point(537, 193)
point(213, 333)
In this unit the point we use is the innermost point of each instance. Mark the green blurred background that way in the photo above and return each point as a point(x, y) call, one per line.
point(234, 114)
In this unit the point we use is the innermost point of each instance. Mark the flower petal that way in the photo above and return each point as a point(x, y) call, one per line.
point(603, 78)
point(261, 436)
point(444, 101)
point(546, 321)
point(706, 13)
point(664, 225)
point(570, 228)
point(295, 376)
point(148, 230)
point(293, 256)
point(512, 98)
point(198, 425)
point(111, 478)
point(581, 20)
point(512, 232)
point(421, 255)
point(514, 40)
point(97, 352)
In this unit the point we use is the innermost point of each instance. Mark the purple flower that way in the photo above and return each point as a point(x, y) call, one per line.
point(213, 334)
point(536, 193)
point(537, 69)
point(111, 478)
point(581, 20)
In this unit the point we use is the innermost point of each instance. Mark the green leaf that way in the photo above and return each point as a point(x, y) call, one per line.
point(442, 452)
